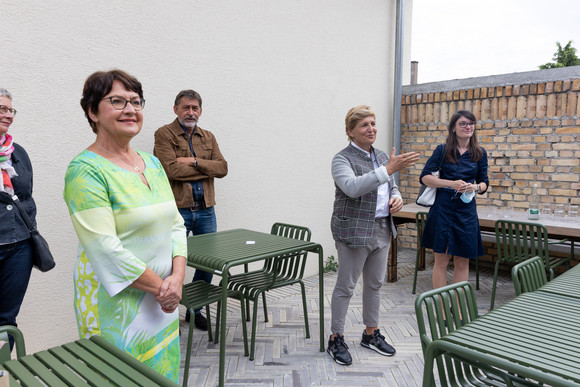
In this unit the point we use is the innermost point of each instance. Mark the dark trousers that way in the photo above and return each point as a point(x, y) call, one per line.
point(196, 223)
point(15, 268)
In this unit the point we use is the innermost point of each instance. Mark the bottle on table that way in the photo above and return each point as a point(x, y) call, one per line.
point(534, 206)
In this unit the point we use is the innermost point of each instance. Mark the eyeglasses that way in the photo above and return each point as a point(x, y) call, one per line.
point(464, 124)
point(120, 103)
point(6, 109)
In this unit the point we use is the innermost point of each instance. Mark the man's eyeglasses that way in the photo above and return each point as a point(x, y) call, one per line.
point(466, 124)
point(6, 109)
point(120, 103)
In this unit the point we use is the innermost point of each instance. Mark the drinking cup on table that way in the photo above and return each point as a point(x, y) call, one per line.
point(547, 211)
point(559, 212)
point(507, 212)
point(573, 213)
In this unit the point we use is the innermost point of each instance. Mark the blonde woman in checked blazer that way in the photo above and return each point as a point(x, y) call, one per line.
point(366, 195)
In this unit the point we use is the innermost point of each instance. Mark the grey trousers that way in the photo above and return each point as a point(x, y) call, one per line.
point(371, 261)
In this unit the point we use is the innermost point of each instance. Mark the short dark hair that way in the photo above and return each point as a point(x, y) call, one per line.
point(99, 84)
point(189, 94)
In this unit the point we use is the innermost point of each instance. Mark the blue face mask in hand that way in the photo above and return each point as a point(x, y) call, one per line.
point(468, 196)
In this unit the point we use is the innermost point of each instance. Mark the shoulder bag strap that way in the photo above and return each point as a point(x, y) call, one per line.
point(25, 216)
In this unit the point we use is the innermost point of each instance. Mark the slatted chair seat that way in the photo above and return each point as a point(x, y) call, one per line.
point(519, 241)
point(198, 294)
point(277, 272)
point(443, 311)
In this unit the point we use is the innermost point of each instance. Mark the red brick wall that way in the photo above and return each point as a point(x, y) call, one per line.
point(531, 131)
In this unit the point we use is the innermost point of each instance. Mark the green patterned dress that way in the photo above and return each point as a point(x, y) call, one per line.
point(123, 227)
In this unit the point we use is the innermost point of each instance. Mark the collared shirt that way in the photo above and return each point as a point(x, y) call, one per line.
point(196, 186)
point(383, 189)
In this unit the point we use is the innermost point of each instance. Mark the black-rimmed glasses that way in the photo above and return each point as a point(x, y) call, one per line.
point(466, 124)
point(6, 109)
point(120, 103)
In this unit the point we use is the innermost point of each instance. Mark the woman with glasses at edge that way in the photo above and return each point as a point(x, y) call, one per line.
point(452, 227)
point(131, 263)
point(16, 248)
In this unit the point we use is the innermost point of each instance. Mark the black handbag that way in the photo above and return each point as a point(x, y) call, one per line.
point(426, 196)
point(43, 259)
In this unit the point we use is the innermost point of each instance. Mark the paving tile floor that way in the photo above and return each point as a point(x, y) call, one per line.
point(284, 357)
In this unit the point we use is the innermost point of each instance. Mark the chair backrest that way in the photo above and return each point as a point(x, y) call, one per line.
point(518, 241)
point(6, 330)
point(420, 220)
point(438, 309)
point(529, 275)
point(444, 310)
point(290, 267)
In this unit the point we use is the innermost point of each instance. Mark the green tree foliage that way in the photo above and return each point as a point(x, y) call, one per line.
point(564, 57)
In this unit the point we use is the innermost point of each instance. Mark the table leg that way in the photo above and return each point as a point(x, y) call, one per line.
point(223, 327)
point(392, 261)
point(321, 295)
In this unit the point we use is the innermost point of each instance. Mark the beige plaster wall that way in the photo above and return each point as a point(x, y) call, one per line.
point(276, 79)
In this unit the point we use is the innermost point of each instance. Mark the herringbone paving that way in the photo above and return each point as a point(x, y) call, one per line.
point(284, 357)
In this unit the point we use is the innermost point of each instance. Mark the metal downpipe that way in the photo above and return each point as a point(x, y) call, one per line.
point(398, 80)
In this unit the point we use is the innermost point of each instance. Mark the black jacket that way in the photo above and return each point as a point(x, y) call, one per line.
point(12, 226)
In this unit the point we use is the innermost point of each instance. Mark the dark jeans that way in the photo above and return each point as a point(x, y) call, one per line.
point(15, 268)
point(197, 223)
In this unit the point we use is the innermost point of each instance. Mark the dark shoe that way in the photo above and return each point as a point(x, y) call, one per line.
point(338, 350)
point(187, 316)
point(377, 343)
point(200, 322)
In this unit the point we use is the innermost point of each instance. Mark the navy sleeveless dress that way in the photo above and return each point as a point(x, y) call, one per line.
point(452, 226)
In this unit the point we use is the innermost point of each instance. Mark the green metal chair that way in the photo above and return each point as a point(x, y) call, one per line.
point(197, 295)
point(11, 330)
point(529, 275)
point(518, 241)
point(445, 310)
point(420, 220)
point(277, 272)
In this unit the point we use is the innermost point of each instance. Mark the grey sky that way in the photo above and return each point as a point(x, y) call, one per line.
point(454, 39)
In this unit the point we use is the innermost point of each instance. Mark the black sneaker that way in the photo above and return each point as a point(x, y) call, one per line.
point(338, 350)
point(200, 322)
point(377, 343)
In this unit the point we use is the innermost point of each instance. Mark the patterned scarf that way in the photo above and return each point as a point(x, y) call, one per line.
point(6, 149)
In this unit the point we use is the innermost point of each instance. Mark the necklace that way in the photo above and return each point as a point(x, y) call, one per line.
point(132, 164)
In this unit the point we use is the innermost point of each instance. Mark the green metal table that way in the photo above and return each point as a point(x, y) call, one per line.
point(556, 229)
point(94, 362)
point(534, 335)
point(566, 284)
point(218, 252)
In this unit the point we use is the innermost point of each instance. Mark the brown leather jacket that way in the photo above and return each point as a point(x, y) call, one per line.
point(171, 143)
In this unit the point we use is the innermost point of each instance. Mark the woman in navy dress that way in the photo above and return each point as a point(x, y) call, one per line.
point(452, 228)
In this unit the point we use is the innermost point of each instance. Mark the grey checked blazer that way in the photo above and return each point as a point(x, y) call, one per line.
point(355, 200)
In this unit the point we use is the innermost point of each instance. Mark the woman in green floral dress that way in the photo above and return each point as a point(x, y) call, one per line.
point(131, 263)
